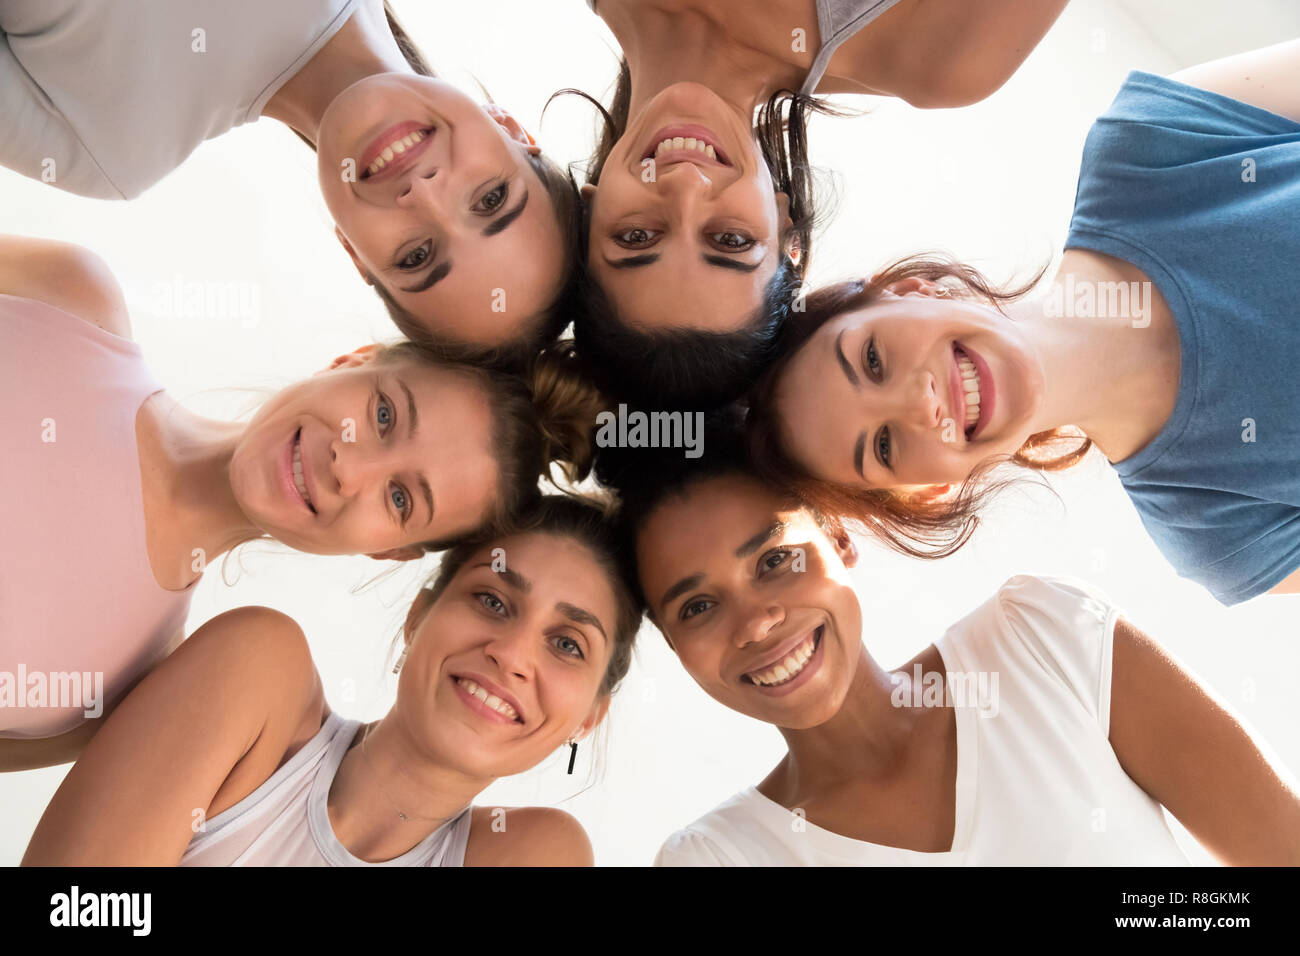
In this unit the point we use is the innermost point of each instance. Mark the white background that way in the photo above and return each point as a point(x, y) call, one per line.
point(992, 183)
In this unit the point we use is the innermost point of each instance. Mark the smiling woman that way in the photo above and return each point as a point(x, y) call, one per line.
point(388, 452)
point(504, 663)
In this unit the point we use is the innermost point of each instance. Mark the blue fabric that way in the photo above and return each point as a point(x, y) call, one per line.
point(1165, 186)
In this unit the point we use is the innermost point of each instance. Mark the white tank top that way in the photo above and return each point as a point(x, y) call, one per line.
point(104, 98)
point(284, 821)
point(1038, 783)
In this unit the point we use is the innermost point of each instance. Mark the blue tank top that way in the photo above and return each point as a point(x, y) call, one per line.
point(1202, 193)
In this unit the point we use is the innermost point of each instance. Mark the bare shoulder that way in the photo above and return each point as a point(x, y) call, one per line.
point(526, 836)
point(66, 276)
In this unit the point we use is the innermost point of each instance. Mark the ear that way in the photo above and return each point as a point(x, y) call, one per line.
point(587, 191)
point(925, 494)
point(914, 284)
point(597, 714)
point(409, 553)
point(847, 550)
point(419, 607)
point(354, 359)
point(352, 254)
point(512, 127)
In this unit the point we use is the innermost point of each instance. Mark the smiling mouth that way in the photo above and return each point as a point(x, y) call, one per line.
point(790, 666)
point(299, 481)
point(489, 700)
point(675, 144)
point(394, 149)
point(970, 383)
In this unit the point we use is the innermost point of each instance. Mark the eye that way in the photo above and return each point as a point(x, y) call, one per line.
point(416, 258)
point(872, 360)
point(569, 646)
point(692, 608)
point(401, 500)
point(637, 238)
point(493, 200)
point(732, 241)
point(774, 559)
point(384, 413)
point(884, 447)
point(490, 602)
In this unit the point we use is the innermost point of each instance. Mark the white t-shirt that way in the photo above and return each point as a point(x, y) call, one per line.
point(104, 98)
point(1037, 780)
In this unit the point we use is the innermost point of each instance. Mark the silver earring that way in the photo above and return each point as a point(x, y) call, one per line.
point(401, 660)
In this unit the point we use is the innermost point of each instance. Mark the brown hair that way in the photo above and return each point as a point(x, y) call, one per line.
point(923, 527)
point(542, 416)
point(585, 520)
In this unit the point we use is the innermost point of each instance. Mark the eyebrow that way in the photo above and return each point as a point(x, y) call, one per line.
point(581, 616)
point(767, 534)
point(513, 578)
point(632, 262)
point(436, 275)
point(859, 448)
point(504, 221)
point(680, 588)
point(851, 375)
point(724, 263)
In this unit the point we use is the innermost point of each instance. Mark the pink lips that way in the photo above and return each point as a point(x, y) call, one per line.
point(481, 707)
point(286, 474)
point(988, 391)
point(399, 162)
point(805, 675)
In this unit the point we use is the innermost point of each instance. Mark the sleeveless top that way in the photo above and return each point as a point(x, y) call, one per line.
point(1202, 193)
point(1038, 783)
point(103, 98)
point(284, 822)
point(837, 20)
point(81, 613)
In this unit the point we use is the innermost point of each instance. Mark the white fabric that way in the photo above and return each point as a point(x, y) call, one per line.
point(284, 822)
point(116, 93)
point(1037, 780)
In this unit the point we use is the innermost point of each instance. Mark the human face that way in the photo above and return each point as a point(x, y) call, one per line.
point(877, 397)
point(679, 238)
point(391, 455)
point(740, 583)
point(456, 225)
point(531, 625)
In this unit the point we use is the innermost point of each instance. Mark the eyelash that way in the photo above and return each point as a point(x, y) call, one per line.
point(577, 645)
point(384, 403)
point(652, 235)
point(503, 188)
point(885, 448)
point(765, 569)
point(746, 243)
point(871, 357)
point(407, 265)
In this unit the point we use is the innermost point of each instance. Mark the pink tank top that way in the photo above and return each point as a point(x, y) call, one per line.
point(81, 614)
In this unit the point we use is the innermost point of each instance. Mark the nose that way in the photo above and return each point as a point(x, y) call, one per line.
point(425, 193)
point(356, 468)
point(510, 648)
point(926, 407)
point(684, 180)
point(757, 622)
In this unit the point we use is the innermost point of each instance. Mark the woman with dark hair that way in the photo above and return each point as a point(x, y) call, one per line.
point(1163, 341)
point(1041, 729)
point(506, 660)
point(448, 208)
point(699, 201)
point(389, 452)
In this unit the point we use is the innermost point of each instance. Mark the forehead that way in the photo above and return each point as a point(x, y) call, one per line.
point(682, 291)
point(557, 568)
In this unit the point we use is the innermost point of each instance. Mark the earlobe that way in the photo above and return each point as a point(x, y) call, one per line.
point(931, 493)
point(512, 127)
point(409, 553)
point(352, 254)
point(354, 359)
point(848, 551)
point(587, 191)
point(913, 284)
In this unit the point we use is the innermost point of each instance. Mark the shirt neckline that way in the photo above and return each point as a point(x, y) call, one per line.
point(836, 844)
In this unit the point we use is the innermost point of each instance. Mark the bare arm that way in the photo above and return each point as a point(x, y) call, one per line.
point(1188, 751)
point(1267, 78)
point(203, 730)
point(65, 276)
point(533, 836)
point(1288, 585)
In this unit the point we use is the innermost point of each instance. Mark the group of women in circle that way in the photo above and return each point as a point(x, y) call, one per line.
point(891, 405)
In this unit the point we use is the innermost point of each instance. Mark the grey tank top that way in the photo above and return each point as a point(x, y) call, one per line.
point(284, 822)
point(837, 20)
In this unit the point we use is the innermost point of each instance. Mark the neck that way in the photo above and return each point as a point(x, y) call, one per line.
point(663, 47)
point(385, 771)
point(867, 737)
point(193, 482)
point(363, 47)
point(1103, 321)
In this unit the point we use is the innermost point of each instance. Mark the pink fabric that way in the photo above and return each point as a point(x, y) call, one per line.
point(77, 593)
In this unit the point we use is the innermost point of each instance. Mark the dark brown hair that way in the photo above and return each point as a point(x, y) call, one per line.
point(542, 417)
point(920, 526)
point(588, 522)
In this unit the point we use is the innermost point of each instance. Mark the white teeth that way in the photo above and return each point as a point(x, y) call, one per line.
point(708, 151)
point(397, 147)
point(970, 383)
point(788, 668)
point(689, 142)
point(492, 700)
point(299, 482)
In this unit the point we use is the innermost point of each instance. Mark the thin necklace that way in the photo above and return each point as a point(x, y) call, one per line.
point(403, 816)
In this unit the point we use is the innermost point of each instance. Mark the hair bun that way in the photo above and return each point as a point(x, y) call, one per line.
point(567, 403)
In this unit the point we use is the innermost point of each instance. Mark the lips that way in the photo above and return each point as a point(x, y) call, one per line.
point(293, 474)
point(673, 144)
point(394, 150)
point(487, 699)
point(986, 390)
point(788, 663)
